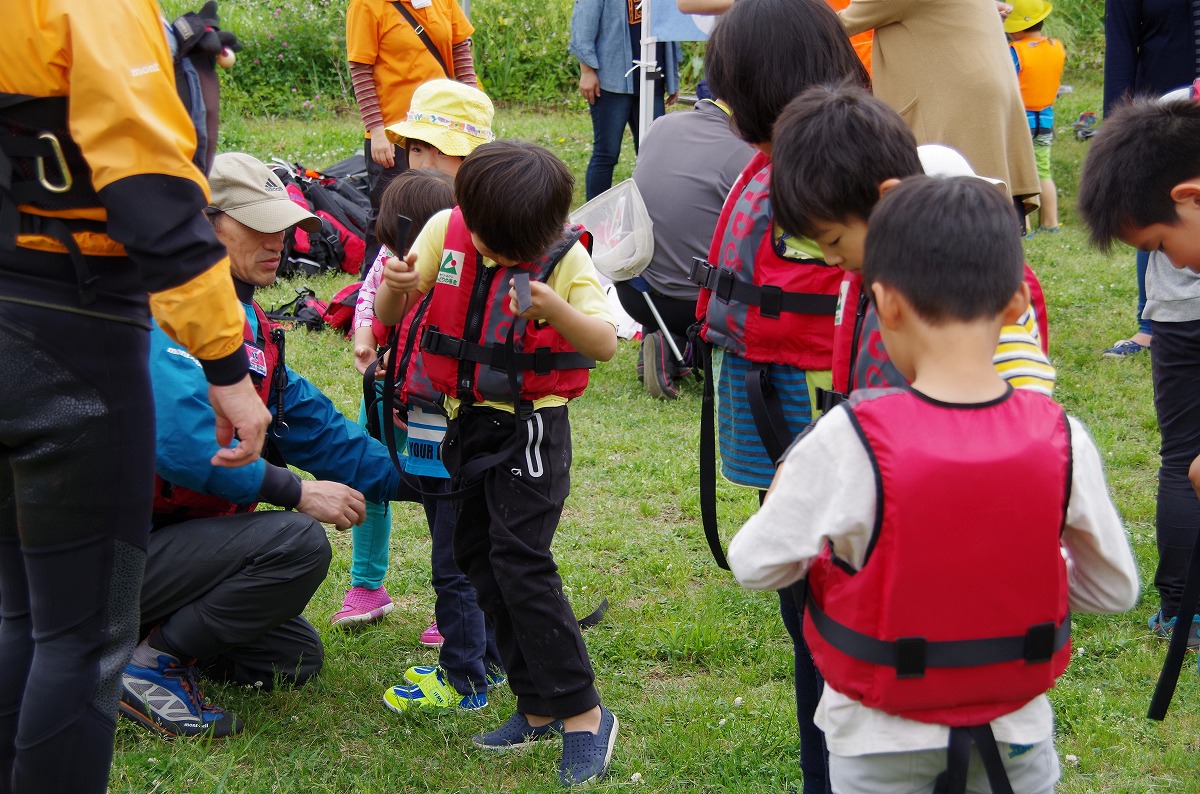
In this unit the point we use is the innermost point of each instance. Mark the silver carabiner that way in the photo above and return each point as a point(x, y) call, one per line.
point(61, 161)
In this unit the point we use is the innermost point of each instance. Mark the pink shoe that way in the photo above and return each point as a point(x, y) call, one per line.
point(362, 606)
point(431, 637)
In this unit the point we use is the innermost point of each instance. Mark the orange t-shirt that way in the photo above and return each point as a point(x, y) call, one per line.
point(861, 42)
point(376, 34)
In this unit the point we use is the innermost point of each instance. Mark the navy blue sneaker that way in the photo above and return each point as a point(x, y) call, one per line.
point(586, 755)
point(167, 700)
point(516, 733)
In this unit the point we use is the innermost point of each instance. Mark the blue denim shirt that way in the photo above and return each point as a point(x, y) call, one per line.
point(600, 39)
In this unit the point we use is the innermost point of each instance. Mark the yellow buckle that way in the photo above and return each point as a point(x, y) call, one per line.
point(62, 166)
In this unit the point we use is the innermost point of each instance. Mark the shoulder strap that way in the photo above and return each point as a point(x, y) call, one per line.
point(419, 29)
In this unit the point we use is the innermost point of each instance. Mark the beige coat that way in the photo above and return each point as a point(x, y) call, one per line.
point(945, 67)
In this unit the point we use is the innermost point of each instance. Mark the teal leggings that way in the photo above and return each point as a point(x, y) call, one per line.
point(369, 542)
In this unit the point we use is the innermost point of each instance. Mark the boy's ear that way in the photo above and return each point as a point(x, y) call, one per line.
point(1187, 192)
point(889, 305)
point(887, 185)
point(1017, 305)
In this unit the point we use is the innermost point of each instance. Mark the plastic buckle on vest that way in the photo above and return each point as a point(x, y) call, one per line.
point(910, 657)
point(828, 399)
point(700, 271)
point(770, 302)
point(498, 358)
point(724, 286)
point(543, 361)
point(1039, 643)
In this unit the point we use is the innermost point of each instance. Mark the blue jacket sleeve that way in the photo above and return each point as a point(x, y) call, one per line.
point(585, 30)
point(185, 439)
point(324, 443)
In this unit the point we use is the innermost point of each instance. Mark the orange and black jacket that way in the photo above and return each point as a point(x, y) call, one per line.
point(112, 63)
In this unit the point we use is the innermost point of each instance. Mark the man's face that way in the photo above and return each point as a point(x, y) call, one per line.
point(253, 256)
point(842, 242)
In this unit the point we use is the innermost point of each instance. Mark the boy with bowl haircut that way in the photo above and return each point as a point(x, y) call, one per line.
point(515, 320)
point(944, 269)
point(837, 150)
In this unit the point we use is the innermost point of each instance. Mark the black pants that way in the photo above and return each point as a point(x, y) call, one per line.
point(76, 467)
point(814, 757)
point(678, 314)
point(502, 539)
point(378, 178)
point(229, 591)
point(1175, 357)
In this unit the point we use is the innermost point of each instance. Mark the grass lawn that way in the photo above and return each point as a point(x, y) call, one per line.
point(697, 669)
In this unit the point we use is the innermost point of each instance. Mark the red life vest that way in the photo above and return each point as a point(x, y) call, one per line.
point(175, 502)
point(475, 348)
point(1041, 63)
point(958, 614)
point(753, 301)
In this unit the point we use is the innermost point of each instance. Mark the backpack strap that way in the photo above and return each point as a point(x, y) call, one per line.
point(419, 29)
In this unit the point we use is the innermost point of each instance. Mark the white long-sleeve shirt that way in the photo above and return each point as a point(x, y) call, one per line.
point(824, 491)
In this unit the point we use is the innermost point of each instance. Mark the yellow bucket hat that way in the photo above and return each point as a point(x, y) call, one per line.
point(448, 114)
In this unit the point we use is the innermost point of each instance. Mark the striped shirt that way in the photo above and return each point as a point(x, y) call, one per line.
point(1019, 358)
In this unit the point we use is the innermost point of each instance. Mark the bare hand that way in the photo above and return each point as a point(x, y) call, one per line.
point(239, 410)
point(383, 151)
point(589, 84)
point(672, 99)
point(332, 503)
point(400, 274)
point(1005, 9)
point(543, 301)
point(363, 356)
point(1194, 475)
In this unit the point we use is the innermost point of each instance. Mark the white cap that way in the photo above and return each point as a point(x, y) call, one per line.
point(939, 160)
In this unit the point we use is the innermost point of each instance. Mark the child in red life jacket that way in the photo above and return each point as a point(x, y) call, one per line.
point(837, 149)
point(767, 300)
point(446, 121)
point(515, 320)
point(935, 542)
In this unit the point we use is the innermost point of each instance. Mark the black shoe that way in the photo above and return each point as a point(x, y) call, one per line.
point(659, 366)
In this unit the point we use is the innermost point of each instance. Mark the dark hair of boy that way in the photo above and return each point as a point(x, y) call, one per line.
point(831, 149)
point(946, 244)
point(416, 194)
point(1144, 149)
point(515, 197)
point(764, 52)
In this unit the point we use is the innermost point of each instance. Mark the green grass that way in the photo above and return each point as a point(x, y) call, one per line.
point(682, 641)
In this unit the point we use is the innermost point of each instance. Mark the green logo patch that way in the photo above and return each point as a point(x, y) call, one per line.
point(451, 268)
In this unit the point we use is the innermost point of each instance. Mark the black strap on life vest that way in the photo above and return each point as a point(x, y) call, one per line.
point(912, 656)
point(498, 355)
point(1169, 676)
point(767, 411)
point(958, 759)
point(770, 299)
point(702, 357)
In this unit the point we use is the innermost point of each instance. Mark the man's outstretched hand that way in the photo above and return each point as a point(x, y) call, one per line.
point(239, 410)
